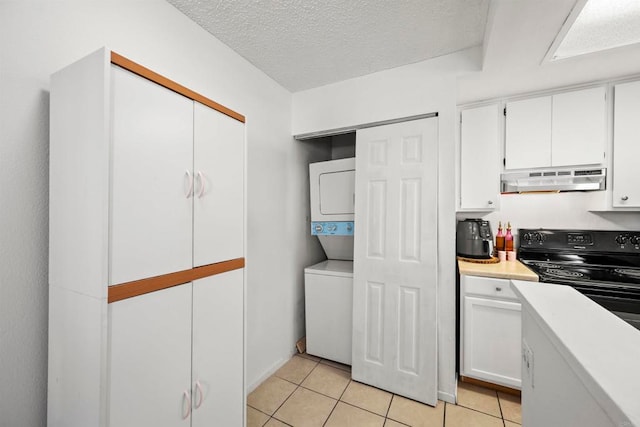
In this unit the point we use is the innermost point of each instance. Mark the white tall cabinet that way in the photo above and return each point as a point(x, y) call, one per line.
point(146, 282)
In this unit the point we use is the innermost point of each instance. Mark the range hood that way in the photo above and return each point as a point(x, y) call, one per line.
point(588, 179)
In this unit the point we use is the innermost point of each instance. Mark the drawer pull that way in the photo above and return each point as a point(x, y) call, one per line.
point(498, 288)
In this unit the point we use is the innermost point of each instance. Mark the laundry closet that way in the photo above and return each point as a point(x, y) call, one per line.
point(373, 303)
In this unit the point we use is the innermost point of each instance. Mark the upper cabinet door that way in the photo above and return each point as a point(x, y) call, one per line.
point(528, 133)
point(480, 158)
point(219, 187)
point(626, 150)
point(152, 143)
point(579, 127)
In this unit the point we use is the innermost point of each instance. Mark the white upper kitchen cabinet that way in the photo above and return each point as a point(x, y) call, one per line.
point(480, 158)
point(564, 129)
point(528, 133)
point(578, 131)
point(626, 148)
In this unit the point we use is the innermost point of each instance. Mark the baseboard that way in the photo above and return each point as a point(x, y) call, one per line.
point(270, 371)
point(492, 386)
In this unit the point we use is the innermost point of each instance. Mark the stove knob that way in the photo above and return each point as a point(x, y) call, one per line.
point(634, 240)
point(537, 237)
point(526, 237)
point(621, 239)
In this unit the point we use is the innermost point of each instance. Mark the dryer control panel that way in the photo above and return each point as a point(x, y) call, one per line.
point(333, 228)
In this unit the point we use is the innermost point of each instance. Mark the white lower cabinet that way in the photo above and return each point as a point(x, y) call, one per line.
point(490, 331)
point(176, 355)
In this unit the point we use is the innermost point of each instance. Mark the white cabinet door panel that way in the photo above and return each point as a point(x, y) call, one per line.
point(152, 143)
point(579, 127)
point(395, 259)
point(480, 158)
point(626, 147)
point(528, 133)
point(219, 205)
point(491, 343)
point(150, 359)
point(218, 340)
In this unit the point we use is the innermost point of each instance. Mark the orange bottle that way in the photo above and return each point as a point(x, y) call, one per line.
point(500, 238)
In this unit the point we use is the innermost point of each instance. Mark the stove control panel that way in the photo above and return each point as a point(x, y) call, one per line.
point(580, 240)
point(632, 239)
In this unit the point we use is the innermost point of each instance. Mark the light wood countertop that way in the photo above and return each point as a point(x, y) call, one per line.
point(501, 270)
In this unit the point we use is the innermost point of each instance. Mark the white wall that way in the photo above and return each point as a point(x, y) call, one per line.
point(424, 87)
point(40, 37)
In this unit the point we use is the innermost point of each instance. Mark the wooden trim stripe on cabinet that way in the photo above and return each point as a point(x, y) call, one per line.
point(152, 284)
point(138, 69)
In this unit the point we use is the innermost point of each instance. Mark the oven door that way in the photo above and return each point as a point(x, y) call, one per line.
point(621, 302)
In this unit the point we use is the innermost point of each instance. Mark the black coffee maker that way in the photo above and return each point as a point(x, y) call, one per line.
point(474, 239)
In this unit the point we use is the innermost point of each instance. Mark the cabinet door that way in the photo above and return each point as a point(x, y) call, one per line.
point(626, 150)
point(480, 158)
point(528, 133)
point(219, 187)
point(150, 359)
point(218, 355)
point(152, 143)
point(579, 127)
point(491, 341)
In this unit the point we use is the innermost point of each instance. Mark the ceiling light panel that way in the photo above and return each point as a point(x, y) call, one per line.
point(602, 25)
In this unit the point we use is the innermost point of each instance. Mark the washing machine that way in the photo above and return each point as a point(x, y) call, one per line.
point(329, 284)
point(328, 289)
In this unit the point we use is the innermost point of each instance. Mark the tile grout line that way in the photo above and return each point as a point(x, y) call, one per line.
point(444, 415)
point(337, 401)
point(294, 390)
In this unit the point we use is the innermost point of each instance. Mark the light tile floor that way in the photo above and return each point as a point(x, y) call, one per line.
point(308, 391)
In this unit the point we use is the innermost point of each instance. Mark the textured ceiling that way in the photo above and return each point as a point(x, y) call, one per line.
point(305, 43)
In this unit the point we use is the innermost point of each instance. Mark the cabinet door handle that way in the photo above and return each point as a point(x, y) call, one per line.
point(190, 180)
point(186, 403)
point(624, 198)
point(498, 288)
point(202, 184)
point(199, 394)
point(490, 202)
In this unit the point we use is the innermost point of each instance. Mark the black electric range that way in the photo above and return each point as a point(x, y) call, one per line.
point(602, 265)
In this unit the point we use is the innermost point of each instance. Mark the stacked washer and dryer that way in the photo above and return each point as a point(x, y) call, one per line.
point(329, 284)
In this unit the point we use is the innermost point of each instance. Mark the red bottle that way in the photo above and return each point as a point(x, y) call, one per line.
point(508, 239)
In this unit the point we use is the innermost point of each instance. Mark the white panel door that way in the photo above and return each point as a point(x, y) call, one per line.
point(395, 259)
point(150, 359)
point(480, 158)
point(151, 218)
point(626, 150)
point(219, 187)
point(528, 133)
point(578, 132)
point(491, 341)
point(218, 356)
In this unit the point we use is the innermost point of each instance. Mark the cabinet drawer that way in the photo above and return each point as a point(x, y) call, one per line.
point(487, 286)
